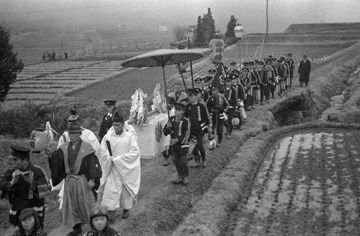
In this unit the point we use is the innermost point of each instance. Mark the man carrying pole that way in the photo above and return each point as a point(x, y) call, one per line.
point(121, 179)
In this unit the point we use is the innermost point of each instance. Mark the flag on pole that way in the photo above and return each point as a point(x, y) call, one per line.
point(219, 76)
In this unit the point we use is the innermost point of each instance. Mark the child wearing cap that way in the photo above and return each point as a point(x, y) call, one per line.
point(29, 224)
point(99, 223)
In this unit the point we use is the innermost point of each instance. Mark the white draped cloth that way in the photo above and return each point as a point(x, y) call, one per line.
point(87, 136)
point(121, 176)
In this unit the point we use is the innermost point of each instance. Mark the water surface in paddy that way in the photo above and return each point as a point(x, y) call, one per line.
point(308, 184)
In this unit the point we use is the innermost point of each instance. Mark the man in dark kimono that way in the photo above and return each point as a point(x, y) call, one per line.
point(106, 122)
point(304, 71)
point(75, 161)
point(24, 184)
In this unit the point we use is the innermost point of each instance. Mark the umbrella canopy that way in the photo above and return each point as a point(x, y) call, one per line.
point(163, 57)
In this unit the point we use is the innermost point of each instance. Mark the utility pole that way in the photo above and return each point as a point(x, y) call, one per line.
point(267, 20)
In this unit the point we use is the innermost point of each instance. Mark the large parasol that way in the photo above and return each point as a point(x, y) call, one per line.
point(163, 57)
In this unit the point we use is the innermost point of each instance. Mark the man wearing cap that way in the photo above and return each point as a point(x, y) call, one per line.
point(304, 71)
point(121, 179)
point(199, 119)
point(24, 184)
point(254, 84)
point(270, 74)
point(230, 94)
point(106, 121)
point(179, 129)
point(75, 162)
point(179, 95)
point(217, 106)
point(264, 83)
point(204, 94)
point(291, 65)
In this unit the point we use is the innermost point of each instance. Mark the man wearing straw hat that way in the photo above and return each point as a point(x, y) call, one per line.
point(75, 162)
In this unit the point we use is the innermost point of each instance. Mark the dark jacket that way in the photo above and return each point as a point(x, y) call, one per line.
point(197, 115)
point(105, 125)
point(20, 193)
point(240, 91)
point(90, 166)
point(304, 70)
point(181, 131)
point(230, 95)
point(263, 78)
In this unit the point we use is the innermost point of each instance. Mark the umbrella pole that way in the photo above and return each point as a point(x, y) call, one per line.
point(166, 94)
point(191, 67)
point(192, 75)
point(182, 77)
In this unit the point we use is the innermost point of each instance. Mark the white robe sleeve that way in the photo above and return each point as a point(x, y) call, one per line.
point(61, 140)
point(105, 160)
point(128, 165)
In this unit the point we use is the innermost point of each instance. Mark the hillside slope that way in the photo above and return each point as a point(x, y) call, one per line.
point(322, 34)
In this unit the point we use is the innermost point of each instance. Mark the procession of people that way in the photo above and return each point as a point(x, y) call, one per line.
point(96, 175)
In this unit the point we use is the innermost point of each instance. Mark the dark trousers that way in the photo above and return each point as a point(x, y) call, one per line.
point(272, 90)
point(291, 77)
point(218, 126)
point(180, 161)
point(264, 93)
point(228, 123)
point(199, 145)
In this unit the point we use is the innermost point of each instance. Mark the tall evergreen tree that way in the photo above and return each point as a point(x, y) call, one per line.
point(9, 64)
point(209, 27)
point(199, 31)
point(230, 33)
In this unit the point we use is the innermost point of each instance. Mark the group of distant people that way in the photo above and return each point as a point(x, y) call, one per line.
point(96, 175)
point(220, 100)
point(47, 56)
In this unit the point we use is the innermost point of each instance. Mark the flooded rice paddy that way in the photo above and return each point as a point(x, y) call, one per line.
point(308, 184)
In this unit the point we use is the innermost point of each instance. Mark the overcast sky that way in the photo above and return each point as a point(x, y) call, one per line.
point(154, 13)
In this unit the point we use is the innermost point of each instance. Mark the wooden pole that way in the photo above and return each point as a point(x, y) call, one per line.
point(182, 77)
point(191, 68)
point(166, 94)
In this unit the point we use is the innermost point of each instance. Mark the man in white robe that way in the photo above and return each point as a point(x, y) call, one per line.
point(121, 178)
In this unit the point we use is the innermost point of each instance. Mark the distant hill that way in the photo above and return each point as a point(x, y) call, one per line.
point(325, 28)
point(322, 34)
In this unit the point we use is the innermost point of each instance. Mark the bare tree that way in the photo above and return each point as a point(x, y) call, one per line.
point(179, 32)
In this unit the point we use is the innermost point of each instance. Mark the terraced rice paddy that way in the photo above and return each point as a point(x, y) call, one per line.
point(308, 184)
point(43, 82)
